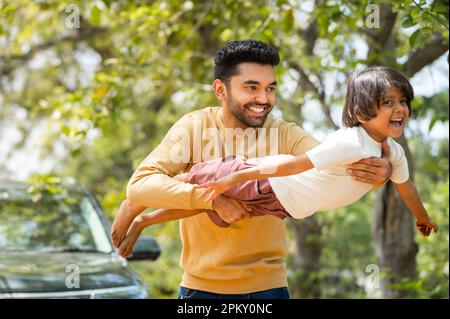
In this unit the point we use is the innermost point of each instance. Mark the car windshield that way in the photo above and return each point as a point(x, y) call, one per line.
point(50, 223)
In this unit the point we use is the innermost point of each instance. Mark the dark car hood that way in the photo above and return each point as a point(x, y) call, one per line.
point(48, 272)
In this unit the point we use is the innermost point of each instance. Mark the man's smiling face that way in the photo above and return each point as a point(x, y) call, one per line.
point(251, 93)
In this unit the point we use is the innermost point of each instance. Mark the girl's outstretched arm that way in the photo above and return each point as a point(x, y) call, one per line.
point(284, 167)
point(409, 194)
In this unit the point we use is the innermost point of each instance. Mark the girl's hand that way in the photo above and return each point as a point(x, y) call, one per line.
point(215, 189)
point(425, 227)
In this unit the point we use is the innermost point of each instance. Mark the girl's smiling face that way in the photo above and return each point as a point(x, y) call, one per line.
point(391, 117)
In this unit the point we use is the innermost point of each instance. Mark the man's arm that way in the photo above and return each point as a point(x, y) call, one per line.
point(411, 197)
point(298, 142)
point(152, 184)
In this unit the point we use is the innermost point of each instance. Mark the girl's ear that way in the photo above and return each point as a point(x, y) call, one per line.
point(358, 115)
point(220, 89)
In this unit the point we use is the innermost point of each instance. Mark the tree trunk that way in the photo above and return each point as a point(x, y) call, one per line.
point(393, 230)
point(308, 246)
point(307, 255)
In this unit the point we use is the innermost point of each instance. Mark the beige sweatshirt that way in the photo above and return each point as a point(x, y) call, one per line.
point(249, 255)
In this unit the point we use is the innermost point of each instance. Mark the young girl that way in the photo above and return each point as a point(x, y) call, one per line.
point(378, 104)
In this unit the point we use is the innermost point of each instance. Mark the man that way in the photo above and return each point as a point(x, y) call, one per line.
point(245, 260)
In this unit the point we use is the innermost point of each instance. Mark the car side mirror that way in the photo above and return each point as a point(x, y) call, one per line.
point(146, 248)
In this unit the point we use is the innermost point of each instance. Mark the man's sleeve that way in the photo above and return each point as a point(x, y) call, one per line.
point(152, 184)
point(299, 142)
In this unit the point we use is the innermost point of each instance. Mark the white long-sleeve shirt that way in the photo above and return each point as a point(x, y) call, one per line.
point(328, 186)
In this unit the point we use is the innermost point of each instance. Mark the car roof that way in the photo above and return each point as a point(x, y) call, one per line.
point(68, 183)
point(9, 184)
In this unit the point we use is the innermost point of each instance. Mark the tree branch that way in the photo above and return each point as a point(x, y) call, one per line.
point(425, 56)
point(388, 18)
point(310, 35)
point(8, 62)
point(309, 85)
point(378, 41)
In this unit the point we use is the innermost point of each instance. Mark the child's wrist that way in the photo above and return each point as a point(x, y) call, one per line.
point(423, 219)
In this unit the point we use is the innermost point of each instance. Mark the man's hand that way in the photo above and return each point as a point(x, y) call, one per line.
point(230, 210)
point(373, 170)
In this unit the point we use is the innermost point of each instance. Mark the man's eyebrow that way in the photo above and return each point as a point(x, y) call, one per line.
point(256, 82)
point(251, 82)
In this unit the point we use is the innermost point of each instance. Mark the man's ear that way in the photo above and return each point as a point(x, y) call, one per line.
point(220, 90)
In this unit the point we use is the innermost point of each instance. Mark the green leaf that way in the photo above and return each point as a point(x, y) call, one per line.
point(289, 20)
point(440, 8)
point(432, 123)
point(7, 9)
point(414, 37)
point(65, 130)
point(416, 13)
point(226, 35)
point(95, 15)
point(323, 22)
point(408, 22)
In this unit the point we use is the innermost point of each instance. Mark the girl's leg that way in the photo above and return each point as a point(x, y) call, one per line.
point(127, 212)
point(145, 220)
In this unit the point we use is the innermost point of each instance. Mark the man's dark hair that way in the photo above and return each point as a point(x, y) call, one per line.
point(367, 88)
point(235, 52)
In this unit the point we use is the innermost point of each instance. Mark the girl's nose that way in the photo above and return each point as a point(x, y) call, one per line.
point(401, 107)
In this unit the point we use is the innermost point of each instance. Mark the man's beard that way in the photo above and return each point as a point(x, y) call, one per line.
point(238, 112)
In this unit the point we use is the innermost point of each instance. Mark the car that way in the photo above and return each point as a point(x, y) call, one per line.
point(55, 243)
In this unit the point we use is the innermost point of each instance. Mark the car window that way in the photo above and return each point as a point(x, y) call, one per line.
point(51, 222)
